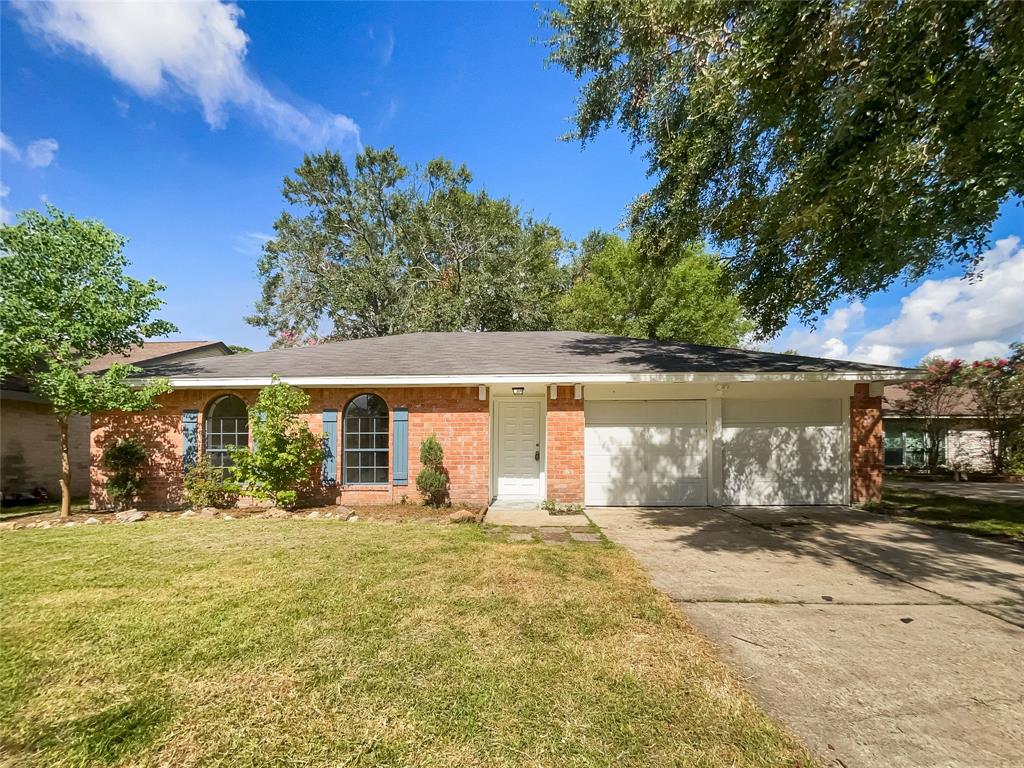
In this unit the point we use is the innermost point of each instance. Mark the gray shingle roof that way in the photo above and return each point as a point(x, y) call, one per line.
point(475, 354)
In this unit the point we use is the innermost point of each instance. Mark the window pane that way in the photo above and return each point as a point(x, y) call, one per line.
point(365, 438)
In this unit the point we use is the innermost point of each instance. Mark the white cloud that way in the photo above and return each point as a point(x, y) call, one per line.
point(251, 243)
point(8, 146)
point(196, 48)
point(6, 216)
point(971, 318)
point(951, 317)
point(40, 153)
point(386, 40)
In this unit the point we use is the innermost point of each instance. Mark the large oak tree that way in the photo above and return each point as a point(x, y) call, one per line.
point(829, 147)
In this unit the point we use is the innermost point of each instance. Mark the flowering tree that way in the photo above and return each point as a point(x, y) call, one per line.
point(930, 401)
point(998, 388)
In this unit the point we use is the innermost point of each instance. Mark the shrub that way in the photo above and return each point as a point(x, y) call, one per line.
point(124, 460)
point(432, 481)
point(207, 486)
point(285, 452)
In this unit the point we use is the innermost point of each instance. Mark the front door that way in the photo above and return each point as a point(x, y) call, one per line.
point(519, 449)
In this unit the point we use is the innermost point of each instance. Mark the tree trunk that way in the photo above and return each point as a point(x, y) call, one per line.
point(65, 469)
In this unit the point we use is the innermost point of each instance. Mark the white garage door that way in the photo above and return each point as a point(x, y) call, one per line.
point(784, 452)
point(649, 452)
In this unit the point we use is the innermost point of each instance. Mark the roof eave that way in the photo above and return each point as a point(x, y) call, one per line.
point(256, 382)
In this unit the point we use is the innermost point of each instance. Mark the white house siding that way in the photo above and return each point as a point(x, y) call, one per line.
point(968, 447)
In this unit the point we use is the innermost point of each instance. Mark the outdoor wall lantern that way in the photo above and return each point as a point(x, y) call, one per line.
point(518, 390)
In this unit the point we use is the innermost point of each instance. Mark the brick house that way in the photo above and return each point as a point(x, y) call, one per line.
point(30, 436)
point(573, 417)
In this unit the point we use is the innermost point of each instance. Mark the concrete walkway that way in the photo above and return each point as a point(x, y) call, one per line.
point(879, 643)
point(528, 514)
point(1008, 493)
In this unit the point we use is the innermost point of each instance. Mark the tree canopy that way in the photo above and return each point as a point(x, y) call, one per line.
point(64, 301)
point(830, 147)
point(379, 249)
point(618, 290)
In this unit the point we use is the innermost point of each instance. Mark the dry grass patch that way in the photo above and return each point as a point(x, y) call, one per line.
point(323, 643)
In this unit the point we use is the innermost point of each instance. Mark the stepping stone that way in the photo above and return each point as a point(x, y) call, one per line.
point(495, 533)
point(589, 538)
point(555, 541)
point(551, 529)
point(520, 537)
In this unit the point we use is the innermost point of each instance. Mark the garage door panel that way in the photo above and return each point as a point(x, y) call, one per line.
point(646, 453)
point(783, 465)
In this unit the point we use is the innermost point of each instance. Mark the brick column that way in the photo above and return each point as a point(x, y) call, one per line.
point(565, 447)
point(866, 446)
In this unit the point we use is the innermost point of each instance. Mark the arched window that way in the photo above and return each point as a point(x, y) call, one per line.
point(226, 424)
point(366, 440)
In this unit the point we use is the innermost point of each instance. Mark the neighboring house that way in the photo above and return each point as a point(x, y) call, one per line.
point(573, 417)
point(963, 443)
point(30, 438)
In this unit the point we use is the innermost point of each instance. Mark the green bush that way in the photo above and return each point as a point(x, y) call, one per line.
point(285, 453)
point(207, 486)
point(124, 460)
point(432, 481)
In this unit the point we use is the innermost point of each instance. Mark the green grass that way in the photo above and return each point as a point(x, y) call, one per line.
point(78, 504)
point(981, 518)
point(318, 643)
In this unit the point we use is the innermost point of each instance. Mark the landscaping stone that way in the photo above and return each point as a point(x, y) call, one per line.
point(353, 519)
point(91, 521)
point(228, 517)
point(314, 515)
point(188, 513)
point(208, 512)
point(589, 538)
point(520, 537)
point(131, 516)
point(343, 512)
point(277, 512)
point(462, 516)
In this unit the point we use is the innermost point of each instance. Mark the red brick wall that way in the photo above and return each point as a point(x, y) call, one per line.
point(565, 447)
point(866, 446)
point(455, 414)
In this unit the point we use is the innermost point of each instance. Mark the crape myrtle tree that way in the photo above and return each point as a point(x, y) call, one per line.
point(617, 290)
point(829, 147)
point(997, 385)
point(377, 249)
point(930, 401)
point(64, 301)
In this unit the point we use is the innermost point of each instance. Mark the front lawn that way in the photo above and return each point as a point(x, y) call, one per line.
point(982, 518)
point(325, 643)
point(78, 504)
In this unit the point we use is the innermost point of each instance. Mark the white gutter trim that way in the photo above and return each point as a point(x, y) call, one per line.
point(255, 382)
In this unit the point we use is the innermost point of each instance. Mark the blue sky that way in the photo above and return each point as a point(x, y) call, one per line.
point(175, 125)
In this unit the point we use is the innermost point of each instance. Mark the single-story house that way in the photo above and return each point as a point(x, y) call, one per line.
point(571, 417)
point(30, 437)
point(964, 442)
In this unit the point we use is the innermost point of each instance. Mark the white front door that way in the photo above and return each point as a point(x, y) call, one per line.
point(519, 449)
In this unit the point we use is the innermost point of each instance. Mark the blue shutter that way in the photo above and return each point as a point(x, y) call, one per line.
point(330, 468)
point(189, 439)
point(400, 450)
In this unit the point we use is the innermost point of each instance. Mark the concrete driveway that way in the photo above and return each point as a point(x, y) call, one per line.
point(879, 643)
point(1008, 493)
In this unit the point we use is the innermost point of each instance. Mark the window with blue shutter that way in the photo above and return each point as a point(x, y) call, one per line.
point(400, 469)
point(330, 467)
point(189, 439)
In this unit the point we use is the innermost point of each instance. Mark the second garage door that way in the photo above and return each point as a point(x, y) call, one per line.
point(647, 452)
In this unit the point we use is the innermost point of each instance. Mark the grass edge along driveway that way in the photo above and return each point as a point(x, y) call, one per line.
point(975, 516)
point(316, 643)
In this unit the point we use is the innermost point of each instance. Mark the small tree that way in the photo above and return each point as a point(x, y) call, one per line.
point(64, 301)
point(124, 460)
point(432, 481)
point(930, 400)
point(284, 451)
point(998, 388)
